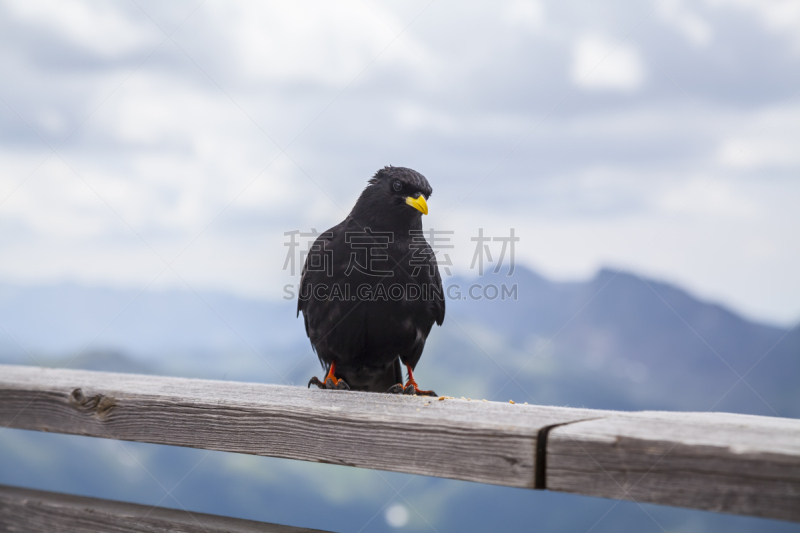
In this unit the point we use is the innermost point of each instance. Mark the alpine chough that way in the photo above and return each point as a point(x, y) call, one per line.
point(370, 290)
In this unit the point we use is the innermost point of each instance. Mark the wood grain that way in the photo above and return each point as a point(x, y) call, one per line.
point(716, 461)
point(470, 440)
point(34, 511)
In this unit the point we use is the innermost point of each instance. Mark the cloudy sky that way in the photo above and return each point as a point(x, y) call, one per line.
point(151, 144)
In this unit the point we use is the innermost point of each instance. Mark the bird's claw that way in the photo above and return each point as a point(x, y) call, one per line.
point(410, 389)
point(329, 384)
point(339, 385)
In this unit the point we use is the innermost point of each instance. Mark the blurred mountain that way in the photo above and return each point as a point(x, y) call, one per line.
point(106, 361)
point(616, 341)
point(68, 317)
point(209, 334)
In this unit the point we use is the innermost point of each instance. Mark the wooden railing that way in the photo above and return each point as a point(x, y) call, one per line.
point(730, 463)
point(39, 511)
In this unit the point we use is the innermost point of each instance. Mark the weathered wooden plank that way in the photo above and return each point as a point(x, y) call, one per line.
point(34, 511)
point(729, 463)
point(475, 441)
point(716, 461)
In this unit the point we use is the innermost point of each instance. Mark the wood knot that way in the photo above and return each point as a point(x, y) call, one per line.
point(78, 397)
point(100, 404)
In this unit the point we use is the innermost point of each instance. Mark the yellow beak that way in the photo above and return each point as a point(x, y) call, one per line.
point(418, 203)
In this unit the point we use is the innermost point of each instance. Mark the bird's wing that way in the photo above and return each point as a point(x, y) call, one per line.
point(438, 303)
point(436, 306)
point(309, 277)
point(335, 325)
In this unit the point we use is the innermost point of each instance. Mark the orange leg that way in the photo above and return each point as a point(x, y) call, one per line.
point(331, 372)
point(331, 381)
point(411, 386)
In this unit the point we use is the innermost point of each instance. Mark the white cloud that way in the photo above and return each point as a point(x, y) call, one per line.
point(527, 13)
point(774, 148)
point(589, 185)
point(776, 15)
point(600, 63)
point(98, 27)
point(413, 117)
point(327, 43)
point(696, 30)
point(703, 195)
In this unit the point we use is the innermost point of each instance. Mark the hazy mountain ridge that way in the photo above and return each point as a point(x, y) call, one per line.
point(620, 341)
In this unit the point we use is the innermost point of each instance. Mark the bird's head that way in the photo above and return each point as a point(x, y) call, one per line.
point(395, 193)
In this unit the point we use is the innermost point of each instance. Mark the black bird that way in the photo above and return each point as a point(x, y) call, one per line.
point(370, 290)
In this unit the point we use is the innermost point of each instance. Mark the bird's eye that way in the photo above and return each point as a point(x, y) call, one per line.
point(397, 186)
